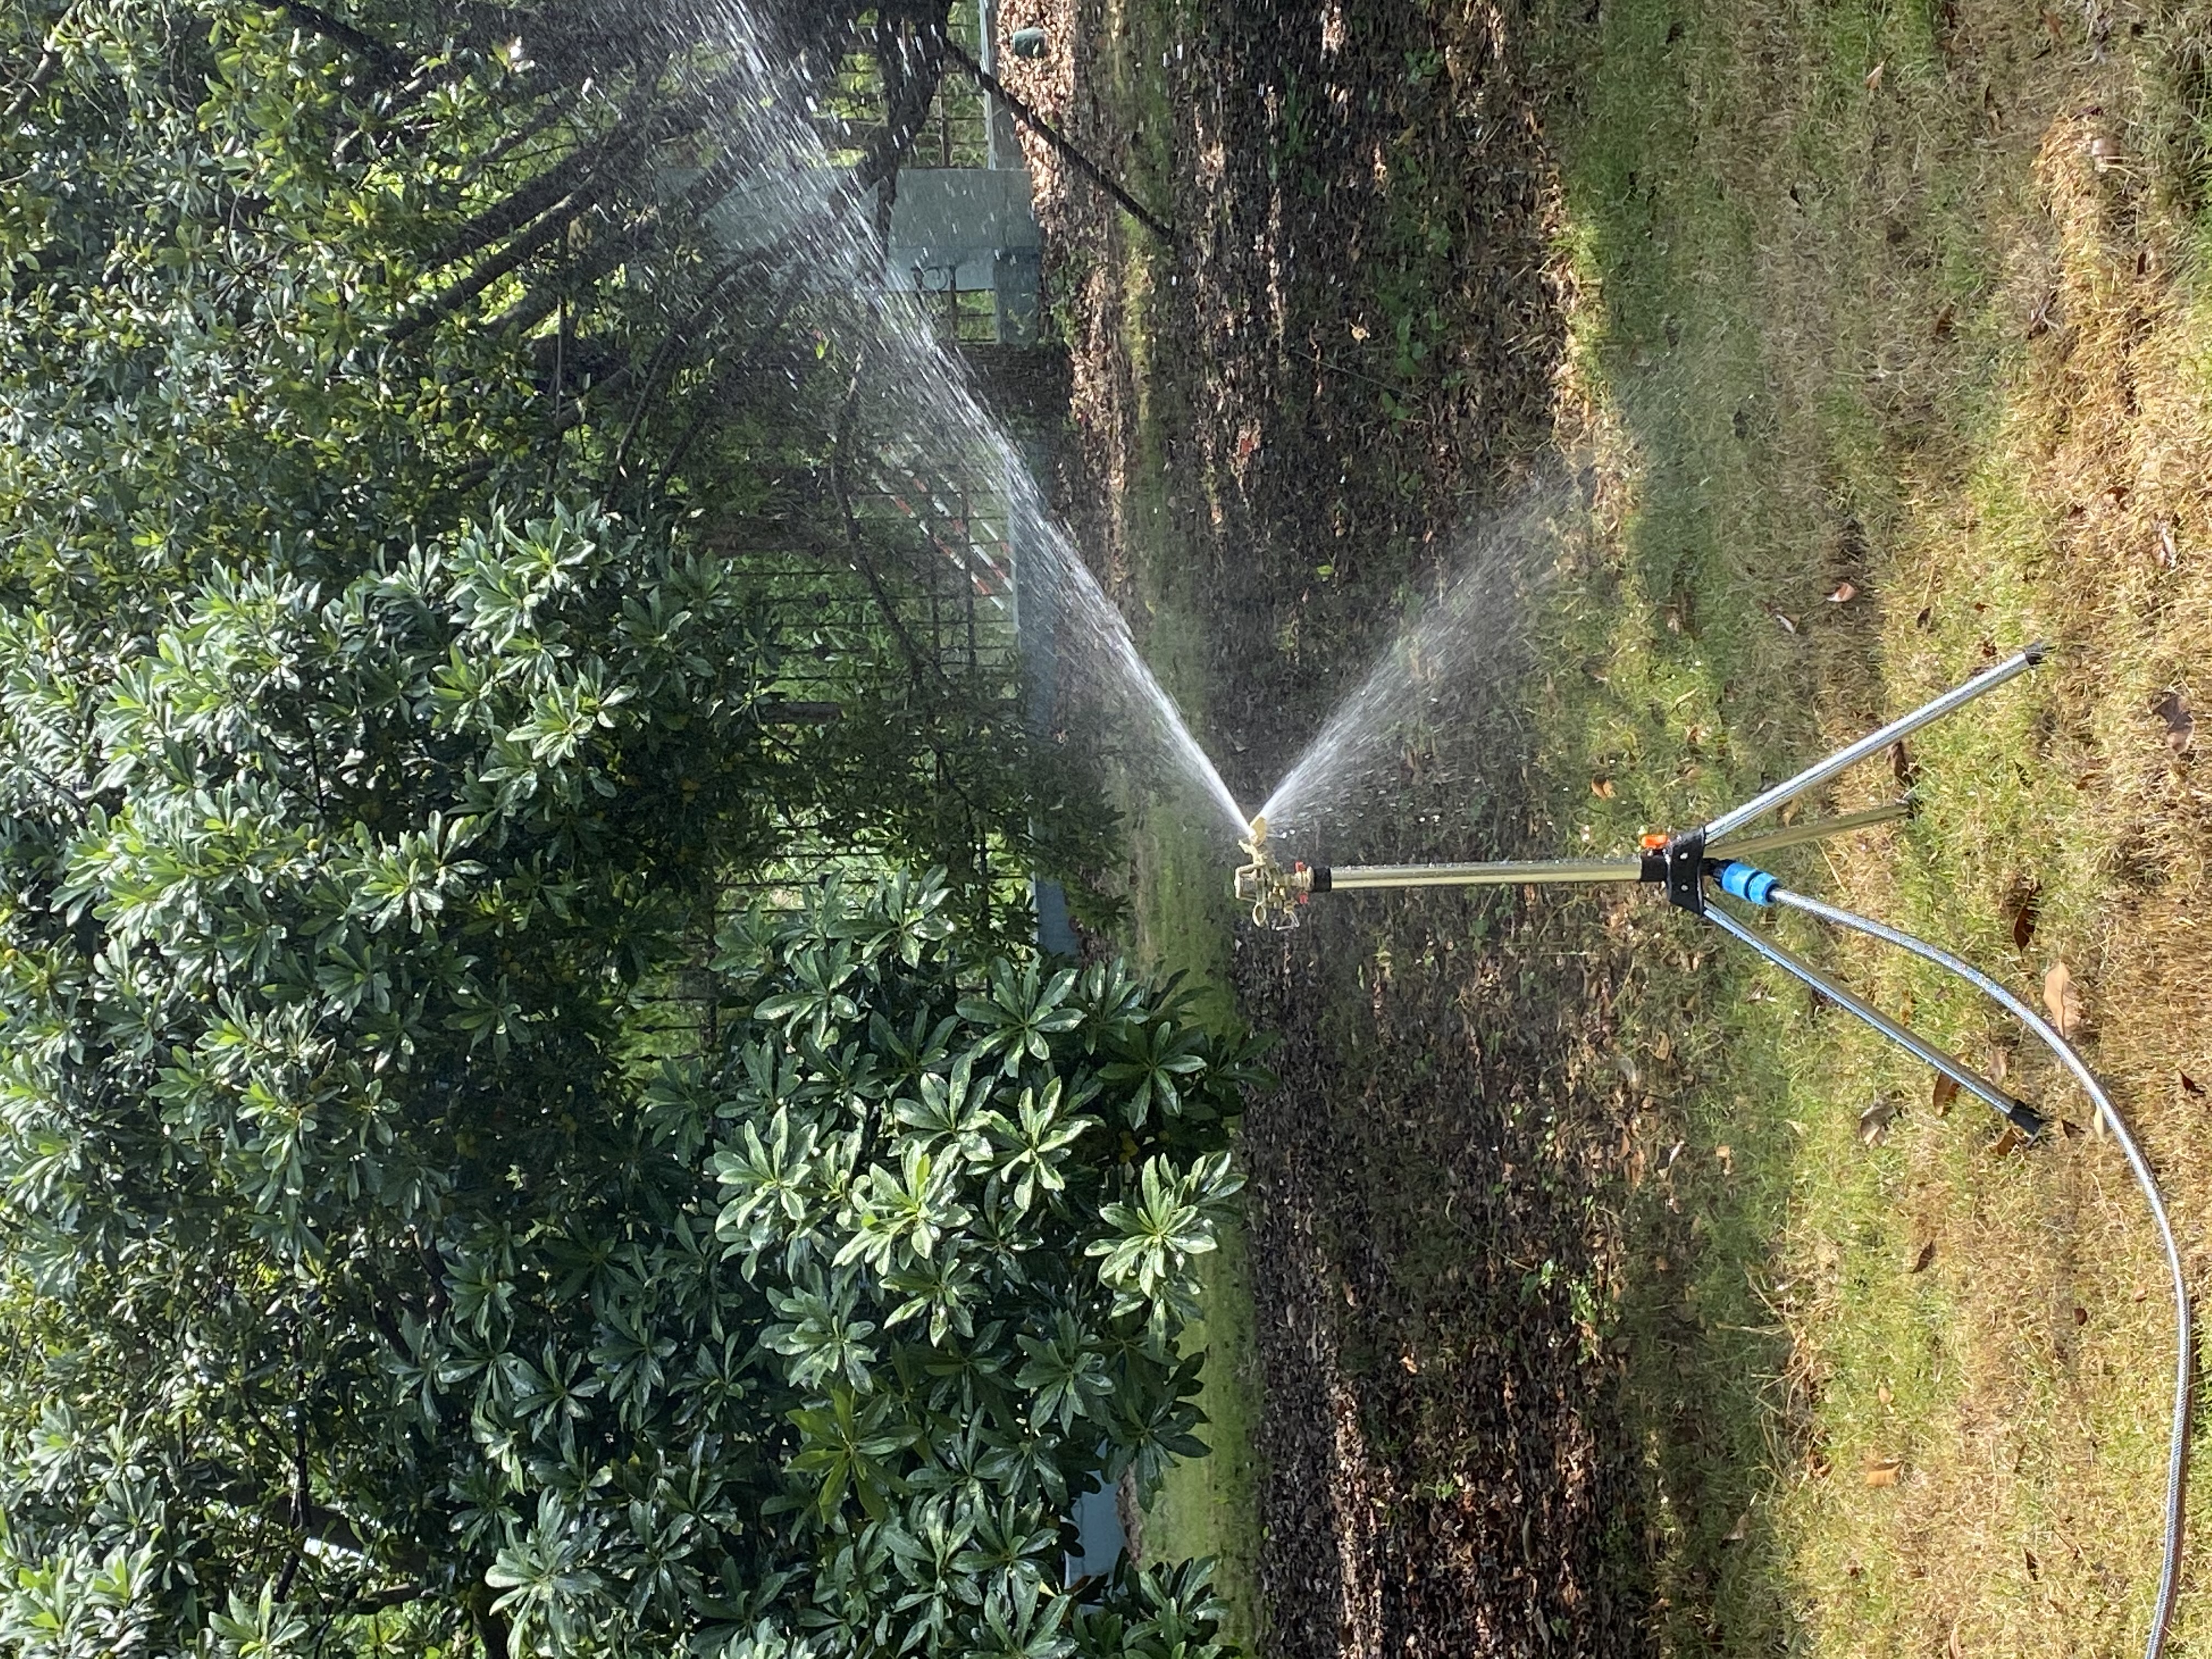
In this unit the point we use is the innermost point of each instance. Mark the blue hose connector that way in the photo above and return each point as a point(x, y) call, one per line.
point(1747, 881)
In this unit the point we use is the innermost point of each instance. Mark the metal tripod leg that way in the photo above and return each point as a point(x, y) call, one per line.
point(1874, 742)
point(1746, 847)
point(2018, 1112)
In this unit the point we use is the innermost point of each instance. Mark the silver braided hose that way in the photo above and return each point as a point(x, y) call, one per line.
point(2169, 1581)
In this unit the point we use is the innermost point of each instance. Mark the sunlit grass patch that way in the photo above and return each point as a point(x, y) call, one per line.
point(1890, 351)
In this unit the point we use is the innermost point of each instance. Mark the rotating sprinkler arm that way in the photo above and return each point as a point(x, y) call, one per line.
point(1273, 892)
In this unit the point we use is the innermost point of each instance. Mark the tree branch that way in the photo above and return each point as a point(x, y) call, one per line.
point(33, 84)
point(391, 61)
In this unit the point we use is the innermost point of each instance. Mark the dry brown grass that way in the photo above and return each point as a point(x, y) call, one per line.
point(1975, 292)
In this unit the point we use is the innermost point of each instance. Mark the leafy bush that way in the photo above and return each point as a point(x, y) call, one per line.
point(371, 1278)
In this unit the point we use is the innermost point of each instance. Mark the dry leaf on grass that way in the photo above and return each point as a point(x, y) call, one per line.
point(1875, 1121)
point(1844, 593)
point(2023, 906)
point(1882, 1394)
point(2008, 1143)
point(1602, 787)
point(1927, 1254)
point(1741, 1530)
point(2190, 1086)
point(2180, 724)
point(1874, 77)
point(2061, 1000)
point(1788, 624)
point(1946, 1092)
point(1882, 1471)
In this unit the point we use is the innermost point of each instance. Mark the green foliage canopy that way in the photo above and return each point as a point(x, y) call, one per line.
point(363, 1252)
point(374, 1276)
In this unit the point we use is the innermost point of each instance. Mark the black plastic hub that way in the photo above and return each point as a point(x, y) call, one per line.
point(1679, 867)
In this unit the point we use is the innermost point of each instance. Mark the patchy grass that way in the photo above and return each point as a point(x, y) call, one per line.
point(1890, 350)
point(1182, 917)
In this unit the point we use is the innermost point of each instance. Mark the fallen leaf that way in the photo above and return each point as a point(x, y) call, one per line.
point(1946, 1092)
point(2008, 1143)
point(1726, 1155)
point(2105, 153)
point(1875, 1121)
point(2180, 724)
point(2061, 1000)
point(1739, 1532)
point(1951, 1648)
point(1788, 624)
point(1946, 320)
point(1900, 763)
point(1412, 1366)
point(2023, 913)
point(1927, 1254)
point(2168, 555)
point(2034, 1567)
point(1874, 77)
point(1844, 593)
point(1882, 1471)
point(1881, 1392)
point(2080, 1314)
point(2190, 1086)
point(1602, 787)
point(2000, 1063)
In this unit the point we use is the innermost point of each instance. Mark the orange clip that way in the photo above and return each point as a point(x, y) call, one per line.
point(1653, 843)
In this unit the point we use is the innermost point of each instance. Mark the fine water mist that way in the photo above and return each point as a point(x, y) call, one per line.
point(911, 424)
point(1464, 647)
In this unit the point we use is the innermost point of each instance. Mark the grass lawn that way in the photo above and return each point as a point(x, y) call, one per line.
point(1182, 921)
point(1889, 343)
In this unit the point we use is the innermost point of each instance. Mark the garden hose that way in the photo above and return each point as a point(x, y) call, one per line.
point(2169, 1582)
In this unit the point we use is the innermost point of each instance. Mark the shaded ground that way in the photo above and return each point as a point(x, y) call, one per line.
point(1356, 344)
point(1873, 340)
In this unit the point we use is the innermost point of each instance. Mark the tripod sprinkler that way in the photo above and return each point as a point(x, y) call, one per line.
point(1695, 868)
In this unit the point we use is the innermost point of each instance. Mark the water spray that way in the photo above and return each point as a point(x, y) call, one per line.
point(1693, 868)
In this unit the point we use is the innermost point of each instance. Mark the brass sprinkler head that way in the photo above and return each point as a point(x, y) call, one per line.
point(1273, 892)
